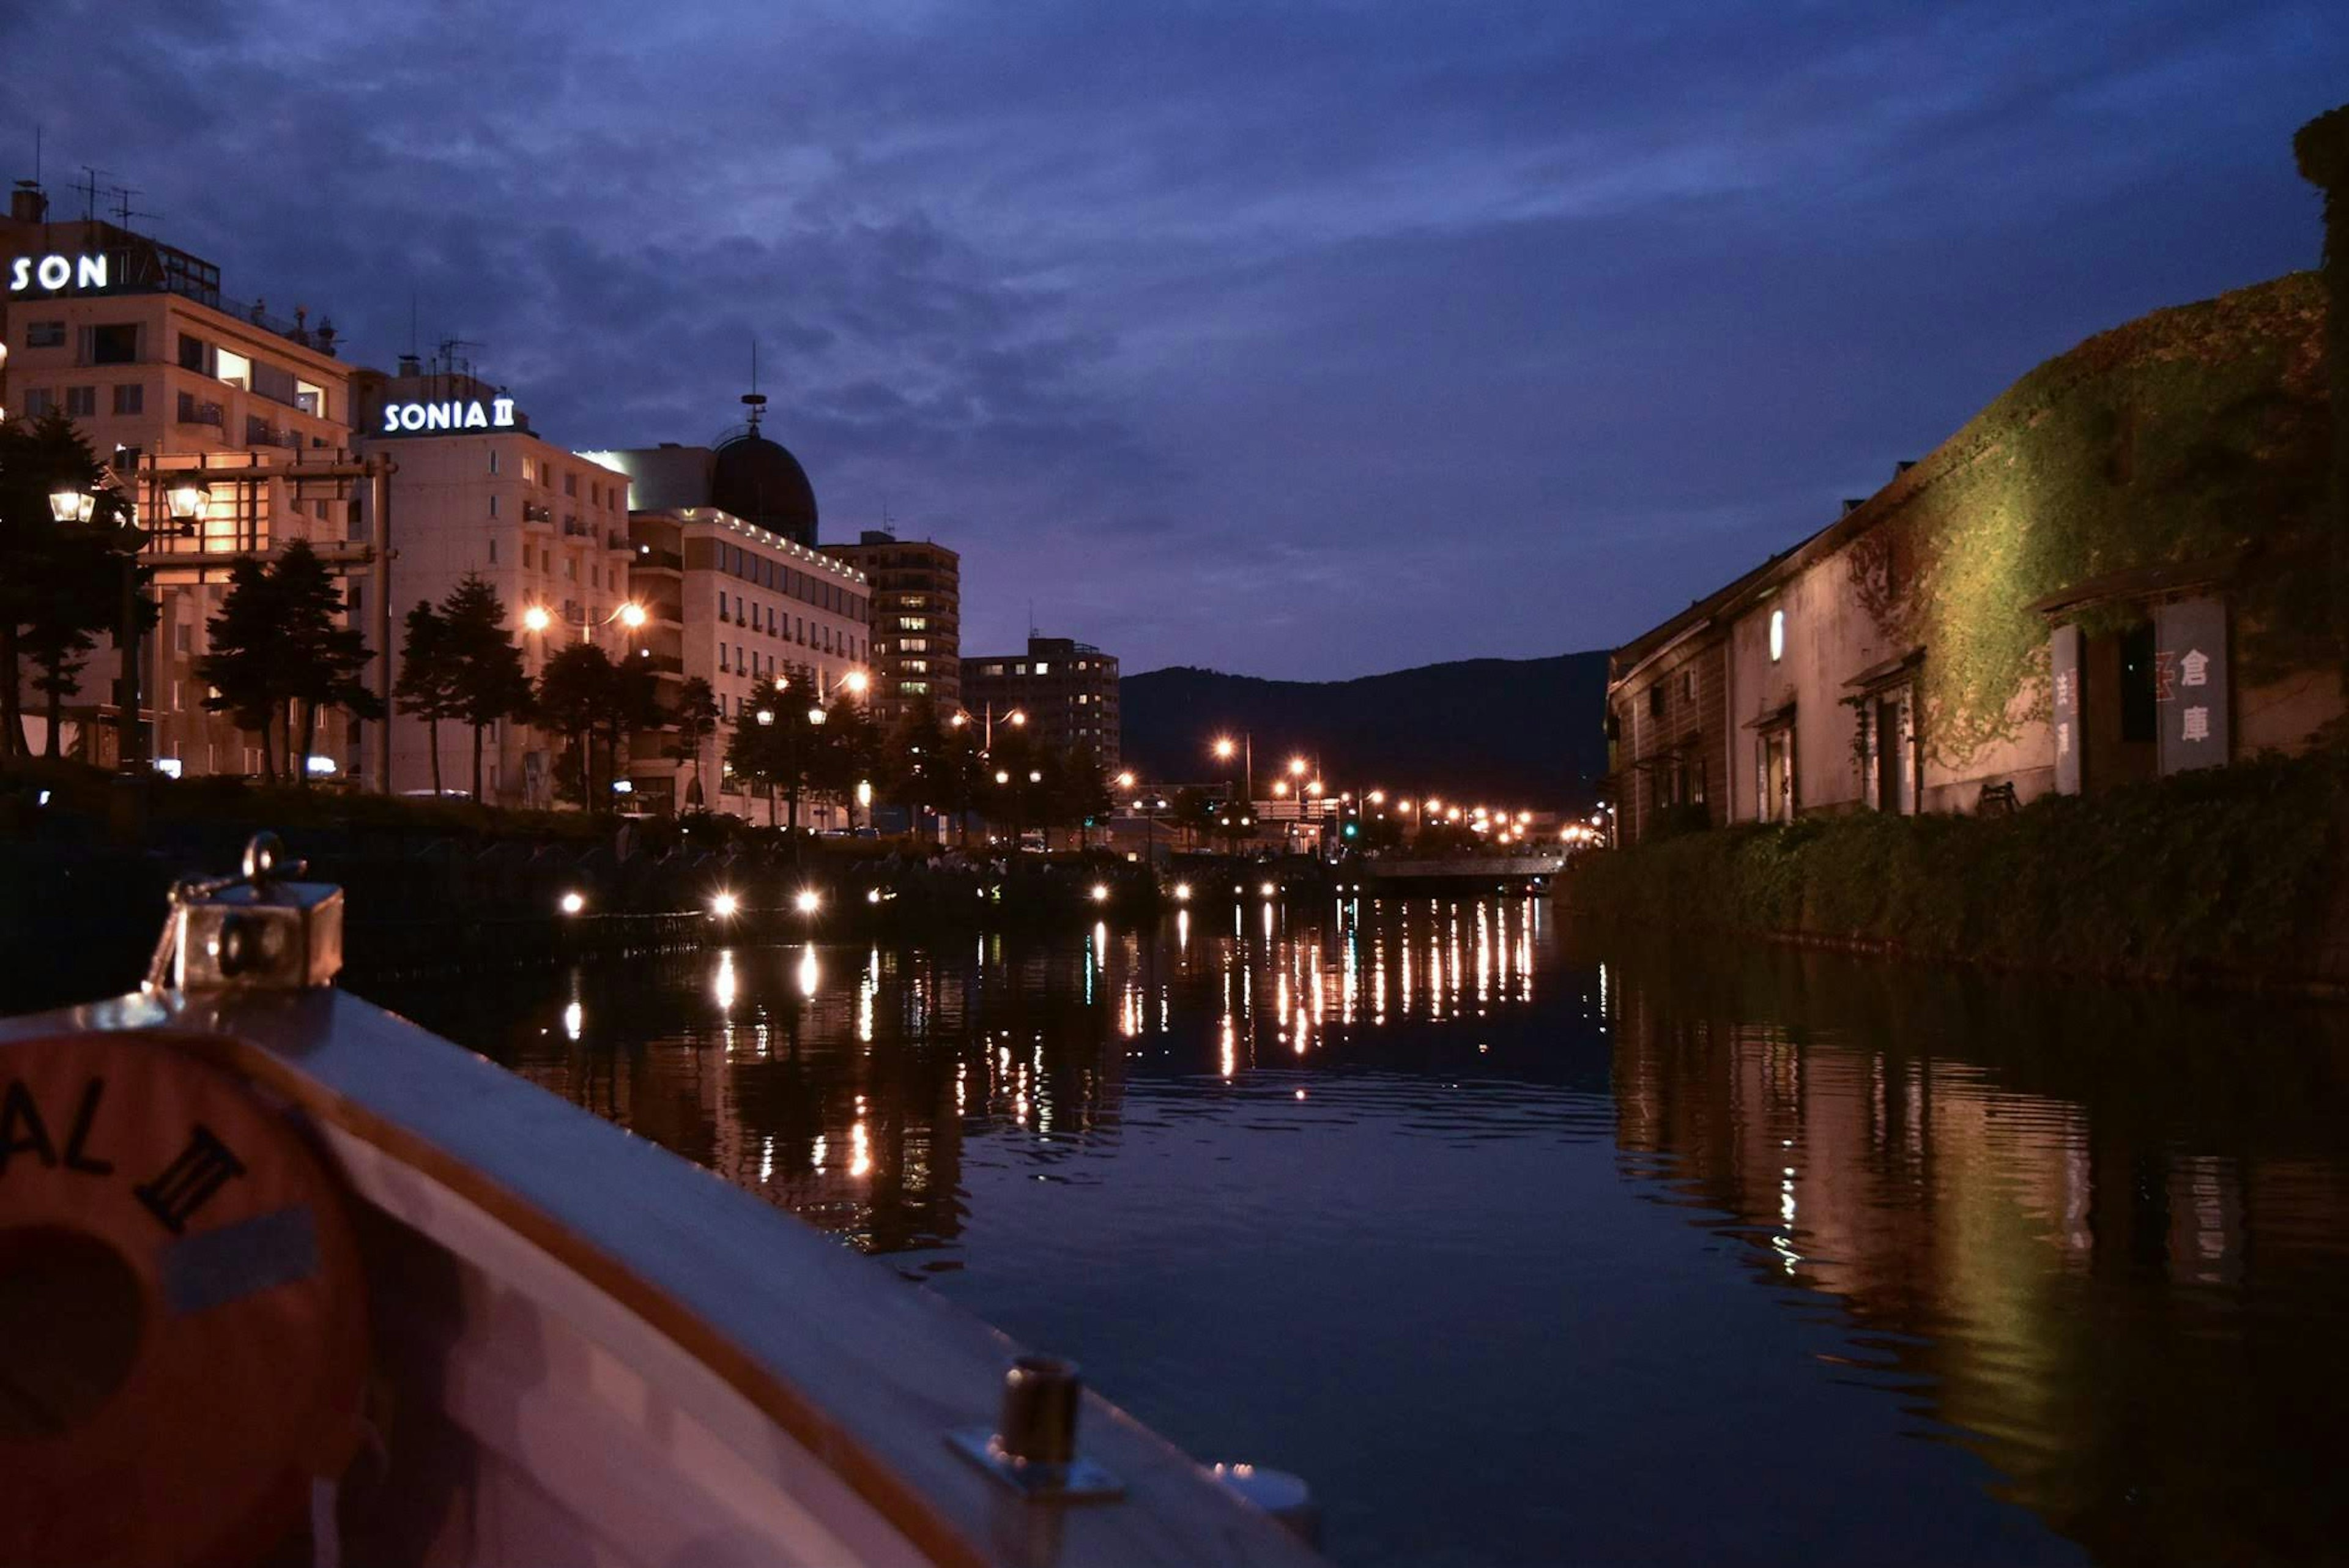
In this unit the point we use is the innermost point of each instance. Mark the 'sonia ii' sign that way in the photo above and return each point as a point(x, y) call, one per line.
point(459, 414)
point(49, 273)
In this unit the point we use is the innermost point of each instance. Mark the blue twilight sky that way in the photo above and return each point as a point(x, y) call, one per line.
point(1295, 339)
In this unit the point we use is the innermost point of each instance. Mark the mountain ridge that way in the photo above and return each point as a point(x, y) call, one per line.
point(1527, 731)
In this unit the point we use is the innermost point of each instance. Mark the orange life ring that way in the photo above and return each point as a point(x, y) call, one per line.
point(183, 1317)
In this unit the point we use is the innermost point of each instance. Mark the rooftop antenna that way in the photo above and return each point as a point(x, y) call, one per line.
point(88, 188)
point(123, 210)
point(450, 359)
point(754, 399)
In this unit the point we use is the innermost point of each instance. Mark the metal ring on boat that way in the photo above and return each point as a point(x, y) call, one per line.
point(183, 1332)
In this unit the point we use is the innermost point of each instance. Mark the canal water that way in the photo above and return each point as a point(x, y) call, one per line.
point(1528, 1247)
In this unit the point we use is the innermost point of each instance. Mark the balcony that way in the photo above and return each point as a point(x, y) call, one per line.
point(573, 528)
point(663, 664)
point(192, 412)
point(665, 610)
point(532, 512)
point(617, 541)
point(658, 561)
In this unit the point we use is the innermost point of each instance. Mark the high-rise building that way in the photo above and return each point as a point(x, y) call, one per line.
point(916, 621)
point(475, 491)
point(132, 340)
point(1068, 690)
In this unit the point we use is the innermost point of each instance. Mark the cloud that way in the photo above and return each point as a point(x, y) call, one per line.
point(1301, 339)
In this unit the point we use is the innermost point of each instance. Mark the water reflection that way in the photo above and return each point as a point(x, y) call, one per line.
point(2094, 1247)
point(2104, 1236)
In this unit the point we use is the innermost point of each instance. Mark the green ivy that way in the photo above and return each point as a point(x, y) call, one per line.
point(2191, 433)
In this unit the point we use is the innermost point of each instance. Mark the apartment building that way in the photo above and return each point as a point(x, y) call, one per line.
point(133, 340)
point(1068, 690)
point(916, 621)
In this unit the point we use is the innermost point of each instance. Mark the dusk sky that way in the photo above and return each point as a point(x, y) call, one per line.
point(1300, 342)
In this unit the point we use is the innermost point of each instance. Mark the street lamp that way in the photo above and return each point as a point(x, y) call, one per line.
point(629, 614)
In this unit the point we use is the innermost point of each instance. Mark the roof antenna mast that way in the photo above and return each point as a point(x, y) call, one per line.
point(754, 399)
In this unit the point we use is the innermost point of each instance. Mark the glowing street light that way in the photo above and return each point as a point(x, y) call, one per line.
point(1125, 780)
point(1280, 786)
point(1297, 767)
point(535, 619)
point(856, 681)
point(1101, 892)
point(807, 900)
point(632, 615)
point(572, 903)
point(724, 906)
point(1226, 748)
point(766, 715)
point(1002, 777)
point(1182, 892)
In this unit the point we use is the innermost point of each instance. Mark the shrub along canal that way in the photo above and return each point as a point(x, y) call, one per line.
point(1523, 1249)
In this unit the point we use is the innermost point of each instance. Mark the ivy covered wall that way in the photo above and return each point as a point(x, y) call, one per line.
point(2189, 435)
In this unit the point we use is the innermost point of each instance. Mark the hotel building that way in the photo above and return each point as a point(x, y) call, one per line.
point(474, 490)
point(1068, 690)
point(916, 621)
point(133, 341)
point(736, 593)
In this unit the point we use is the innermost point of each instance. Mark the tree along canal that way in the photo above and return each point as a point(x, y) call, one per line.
point(1525, 1248)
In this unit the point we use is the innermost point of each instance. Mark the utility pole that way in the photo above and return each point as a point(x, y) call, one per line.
point(379, 470)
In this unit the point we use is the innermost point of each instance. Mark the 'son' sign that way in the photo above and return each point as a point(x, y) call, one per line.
point(52, 273)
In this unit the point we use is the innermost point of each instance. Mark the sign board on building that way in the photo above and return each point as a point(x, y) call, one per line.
point(2064, 659)
point(455, 414)
point(55, 274)
point(2190, 665)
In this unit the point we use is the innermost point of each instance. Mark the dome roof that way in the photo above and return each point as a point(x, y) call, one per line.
point(759, 482)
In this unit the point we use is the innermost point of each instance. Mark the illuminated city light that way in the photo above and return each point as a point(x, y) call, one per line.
point(1101, 892)
point(1182, 892)
point(806, 900)
point(724, 906)
point(574, 902)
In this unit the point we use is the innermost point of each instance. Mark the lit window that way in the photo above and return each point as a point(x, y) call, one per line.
point(1777, 635)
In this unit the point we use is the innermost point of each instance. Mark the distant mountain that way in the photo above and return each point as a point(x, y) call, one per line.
point(1520, 730)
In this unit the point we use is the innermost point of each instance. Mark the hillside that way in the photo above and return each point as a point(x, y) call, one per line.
point(1520, 730)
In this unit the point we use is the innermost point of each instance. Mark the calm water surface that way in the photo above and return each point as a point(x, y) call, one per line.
point(1527, 1248)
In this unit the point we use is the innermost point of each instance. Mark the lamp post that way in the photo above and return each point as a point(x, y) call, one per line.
point(184, 503)
point(538, 618)
point(1015, 717)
